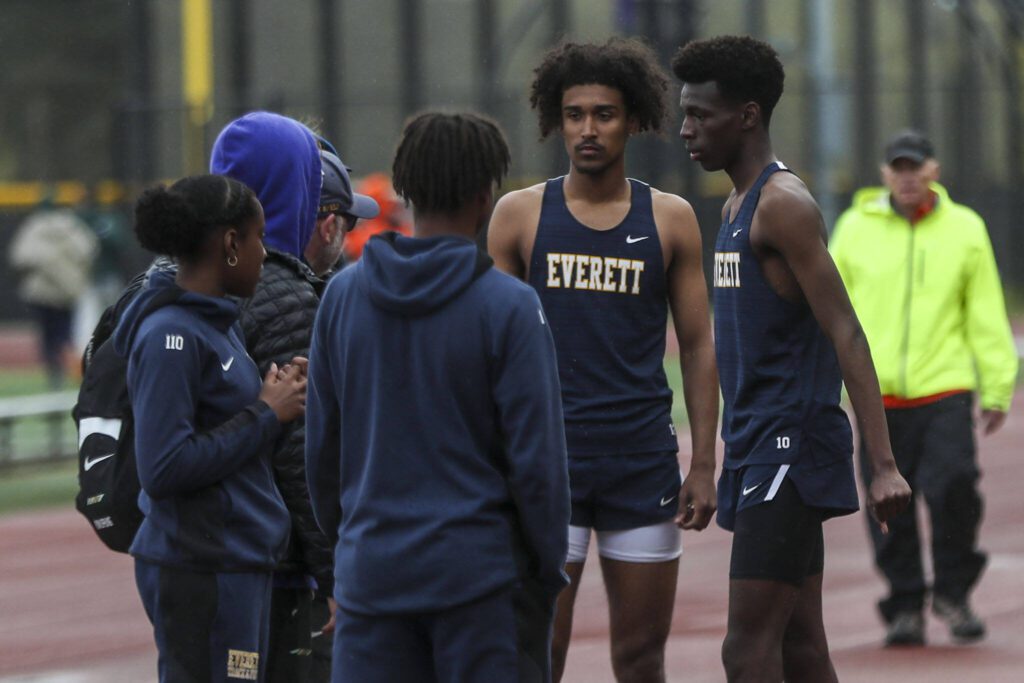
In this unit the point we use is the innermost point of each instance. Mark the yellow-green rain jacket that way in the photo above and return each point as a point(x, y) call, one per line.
point(929, 298)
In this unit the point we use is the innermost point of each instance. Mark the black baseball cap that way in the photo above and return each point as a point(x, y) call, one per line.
point(336, 195)
point(909, 144)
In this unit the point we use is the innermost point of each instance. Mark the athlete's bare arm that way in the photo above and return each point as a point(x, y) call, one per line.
point(788, 236)
point(513, 230)
point(688, 300)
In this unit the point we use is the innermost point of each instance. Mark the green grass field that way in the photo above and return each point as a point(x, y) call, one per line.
point(24, 382)
point(35, 485)
point(43, 485)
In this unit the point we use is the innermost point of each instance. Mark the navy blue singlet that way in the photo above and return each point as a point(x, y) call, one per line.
point(604, 294)
point(780, 377)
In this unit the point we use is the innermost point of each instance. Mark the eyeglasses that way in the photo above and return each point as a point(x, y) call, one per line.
point(348, 219)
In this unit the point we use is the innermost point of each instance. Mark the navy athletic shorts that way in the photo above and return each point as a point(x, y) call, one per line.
point(615, 492)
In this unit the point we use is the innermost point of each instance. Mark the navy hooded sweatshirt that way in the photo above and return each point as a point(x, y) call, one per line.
point(435, 447)
point(202, 436)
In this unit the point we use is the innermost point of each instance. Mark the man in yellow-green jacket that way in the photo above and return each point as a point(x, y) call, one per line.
point(921, 275)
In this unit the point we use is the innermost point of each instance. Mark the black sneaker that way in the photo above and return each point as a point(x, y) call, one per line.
point(963, 623)
point(906, 628)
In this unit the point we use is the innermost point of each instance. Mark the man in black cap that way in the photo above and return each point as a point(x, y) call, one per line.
point(922, 277)
point(339, 211)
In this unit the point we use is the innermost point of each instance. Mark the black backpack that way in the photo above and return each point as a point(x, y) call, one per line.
point(108, 481)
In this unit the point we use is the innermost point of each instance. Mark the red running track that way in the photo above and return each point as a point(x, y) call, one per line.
point(69, 612)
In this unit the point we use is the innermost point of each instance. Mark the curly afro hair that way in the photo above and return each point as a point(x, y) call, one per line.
point(626, 64)
point(745, 69)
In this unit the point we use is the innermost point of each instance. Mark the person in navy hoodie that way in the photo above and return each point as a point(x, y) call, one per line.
point(215, 524)
point(435, 450)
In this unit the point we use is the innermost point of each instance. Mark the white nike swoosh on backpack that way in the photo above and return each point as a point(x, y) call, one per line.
point(633, 240)
point(228, 364)
point(89, 462)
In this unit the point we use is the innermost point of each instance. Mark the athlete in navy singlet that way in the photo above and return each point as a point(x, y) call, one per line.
point(609, 256)
point(604, 293)
point(780, 380)
point(784, 330)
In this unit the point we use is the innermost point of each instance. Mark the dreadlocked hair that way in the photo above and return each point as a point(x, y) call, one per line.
point(745, 69)
point(445, 160)
point(625, 64)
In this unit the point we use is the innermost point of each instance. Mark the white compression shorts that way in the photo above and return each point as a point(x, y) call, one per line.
point(660, 542)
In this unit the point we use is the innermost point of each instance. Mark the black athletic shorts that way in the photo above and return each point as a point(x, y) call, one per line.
point(779, 539)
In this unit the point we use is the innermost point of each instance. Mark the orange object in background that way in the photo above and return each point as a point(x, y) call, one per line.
point(393, 215)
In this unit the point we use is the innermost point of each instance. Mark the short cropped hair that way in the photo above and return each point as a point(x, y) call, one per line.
point(625, 64)
point(445, 160)
point(745, 69)
point(176, 221)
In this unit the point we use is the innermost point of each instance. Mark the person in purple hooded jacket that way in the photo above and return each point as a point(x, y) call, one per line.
point(280, 159)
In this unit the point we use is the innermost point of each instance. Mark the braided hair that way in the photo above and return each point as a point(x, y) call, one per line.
point(445, 160)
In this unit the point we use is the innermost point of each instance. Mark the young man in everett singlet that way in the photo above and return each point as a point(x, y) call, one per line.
point(609, 256)
point(786, 339)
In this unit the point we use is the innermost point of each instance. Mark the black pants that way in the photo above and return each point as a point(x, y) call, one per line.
point(299, 652)
point(935, 451)
point(54, 338)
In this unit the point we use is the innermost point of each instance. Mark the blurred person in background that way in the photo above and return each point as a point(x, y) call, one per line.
point(53, 251)
point(280, 159)
point(921, 274)
point(215, 525)
point(394, 215)
point(109, 225)
point(107, 282)
point(435, 447)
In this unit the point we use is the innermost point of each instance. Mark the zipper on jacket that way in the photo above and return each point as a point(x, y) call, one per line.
point(905, 350)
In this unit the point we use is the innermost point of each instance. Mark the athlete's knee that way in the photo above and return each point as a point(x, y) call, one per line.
point(805, 659)
point(734, 656)
point(639, 657)
point(561, 635)
point(560, 647)
point(749, 659)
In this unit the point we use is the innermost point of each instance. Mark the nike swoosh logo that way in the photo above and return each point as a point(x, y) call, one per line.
point(228, 364)
point(666, 501)
point(750, 489)
point(633, 240)
point(737, 231)
point(87, 465)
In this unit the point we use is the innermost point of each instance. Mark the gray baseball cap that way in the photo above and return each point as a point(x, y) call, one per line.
point(336, 195)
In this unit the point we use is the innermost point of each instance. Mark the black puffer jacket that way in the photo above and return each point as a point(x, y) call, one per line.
point(278, 322)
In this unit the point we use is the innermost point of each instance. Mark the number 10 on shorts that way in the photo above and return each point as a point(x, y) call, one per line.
point(781, 442)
